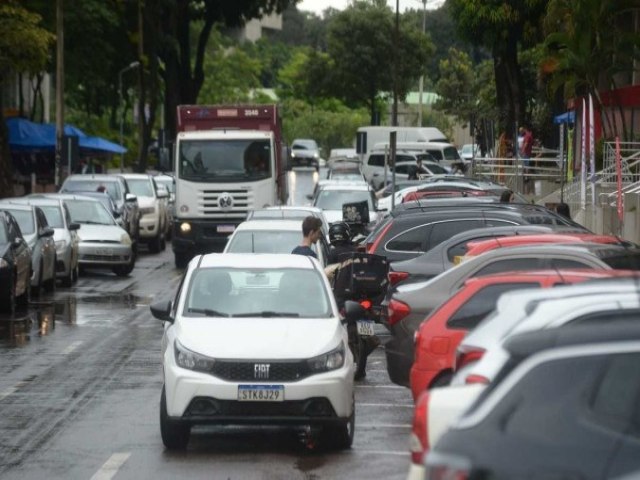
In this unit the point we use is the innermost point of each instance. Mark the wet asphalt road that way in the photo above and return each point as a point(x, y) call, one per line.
point(80, 382)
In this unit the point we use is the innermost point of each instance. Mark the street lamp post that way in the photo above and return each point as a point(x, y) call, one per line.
point(131, 66)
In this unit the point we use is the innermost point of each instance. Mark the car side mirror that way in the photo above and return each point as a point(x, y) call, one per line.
point(353, 311)
point(162, 192)
point(46, 232)
point(130, 197)
point(74, 226)
point(162, 311)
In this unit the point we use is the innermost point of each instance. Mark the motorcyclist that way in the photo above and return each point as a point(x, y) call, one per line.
point(340, 240)
point(341, 248)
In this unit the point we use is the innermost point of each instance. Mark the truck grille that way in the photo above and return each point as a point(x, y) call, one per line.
point(208, 205)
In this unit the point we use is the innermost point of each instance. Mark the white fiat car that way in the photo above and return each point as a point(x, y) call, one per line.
point(256, 339)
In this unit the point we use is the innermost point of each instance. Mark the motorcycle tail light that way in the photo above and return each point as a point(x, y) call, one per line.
point(366, 304)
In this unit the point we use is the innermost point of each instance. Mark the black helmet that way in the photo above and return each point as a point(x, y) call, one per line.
point(339, 232)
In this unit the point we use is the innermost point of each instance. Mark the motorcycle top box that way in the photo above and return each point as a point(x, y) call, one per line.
point(362, 274)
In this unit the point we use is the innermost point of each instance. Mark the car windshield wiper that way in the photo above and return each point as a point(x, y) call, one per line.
point(266, 314)
point(208, 312)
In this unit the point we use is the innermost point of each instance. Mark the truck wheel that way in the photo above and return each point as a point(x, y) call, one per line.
point(182, 259)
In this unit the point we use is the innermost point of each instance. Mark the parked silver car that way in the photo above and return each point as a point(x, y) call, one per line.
point(103, 243)
point(65, 235)
point(39, 236)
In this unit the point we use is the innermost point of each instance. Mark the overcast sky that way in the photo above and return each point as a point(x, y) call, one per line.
point(317, 6)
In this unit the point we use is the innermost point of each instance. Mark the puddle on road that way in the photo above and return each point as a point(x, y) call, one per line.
point(126, 300)
point(17, 331)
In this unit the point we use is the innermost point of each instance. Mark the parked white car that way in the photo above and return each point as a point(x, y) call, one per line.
point(331, 197)
point(153, 203)
point(272, 236)
point(39, 236)
point(281, 374)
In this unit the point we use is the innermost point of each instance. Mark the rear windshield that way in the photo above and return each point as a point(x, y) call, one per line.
point(265, 241)
point(91, 185)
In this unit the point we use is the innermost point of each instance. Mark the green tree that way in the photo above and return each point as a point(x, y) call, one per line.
point(24, 47)
point(361, 44)
point(504, 27)
point(589, 44)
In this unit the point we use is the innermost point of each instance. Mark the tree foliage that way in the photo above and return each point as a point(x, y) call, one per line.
point(24, 48)
point(365, 55)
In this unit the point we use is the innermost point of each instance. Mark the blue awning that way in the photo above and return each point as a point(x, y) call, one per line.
point(27, 136)
point(566, 117)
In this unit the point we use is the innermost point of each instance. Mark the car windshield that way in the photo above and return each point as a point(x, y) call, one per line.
point(167, 182)
point(334, 199)
point(24, 219)
point(3, 233)
point(268, 293)
point(304, 145)
point(224, 160)
point(450, 153)
point(140, 187)
point(53, 215)
point(265, 241)
point(91, 185)
point(435, 169)
point(89, 212)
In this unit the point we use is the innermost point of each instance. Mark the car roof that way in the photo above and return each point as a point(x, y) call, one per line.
point(477, 247)
point(286, 225)
point(529, 343)
point(5, 204)
point(347, 185)
point(534, 275)
point(73, 196)
point(255, 260)
point(103, 177)
point(136, 176)
point(36, 201)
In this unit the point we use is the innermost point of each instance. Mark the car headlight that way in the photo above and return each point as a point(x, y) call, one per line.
point(185, 358)
point(328, 361)
point(293, 155)
point(4, 263)
point(61, 245)
point(147, 210)
point(315, 155)
point(185, 227)
point(125, 239)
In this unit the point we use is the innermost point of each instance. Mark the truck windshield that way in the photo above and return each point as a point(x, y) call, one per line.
point(224, 160)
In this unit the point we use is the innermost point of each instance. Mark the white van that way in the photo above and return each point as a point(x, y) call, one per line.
point(444, 153)
point(373, 166)
point(377, 134)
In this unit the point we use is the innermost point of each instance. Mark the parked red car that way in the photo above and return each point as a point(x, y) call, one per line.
point(478, 247)
point(442, 331)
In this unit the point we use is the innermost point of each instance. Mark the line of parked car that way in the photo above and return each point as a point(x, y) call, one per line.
point(94, 221)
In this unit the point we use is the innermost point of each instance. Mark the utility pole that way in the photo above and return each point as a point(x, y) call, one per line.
point(396, 43)
point(141, 96)
point(59, 91)
point(424, 31)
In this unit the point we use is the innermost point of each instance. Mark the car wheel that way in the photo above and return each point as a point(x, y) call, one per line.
point(358, 349)
point(24, 299)
point(68, 280)
point(340, 437)
point(8, 297)
point(50, 285)
point(175, 435)
point(155, 245)
point(124, 270)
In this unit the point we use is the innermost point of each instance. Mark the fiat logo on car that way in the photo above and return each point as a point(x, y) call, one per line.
point(261, 371)
point(225, 201)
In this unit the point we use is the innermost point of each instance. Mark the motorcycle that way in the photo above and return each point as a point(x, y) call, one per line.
point(359, 285)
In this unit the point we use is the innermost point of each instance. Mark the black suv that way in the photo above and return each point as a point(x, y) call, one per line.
point(565, 406)
point(116, 186)
point(416, 228)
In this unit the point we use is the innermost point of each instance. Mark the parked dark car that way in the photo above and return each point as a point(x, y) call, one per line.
point(564, 407)
point(408, 305)
point(15, 264)
point(411, 231)
point(442, 256)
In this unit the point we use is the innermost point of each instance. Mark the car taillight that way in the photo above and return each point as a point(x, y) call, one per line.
point(419, 442)
point(448, 472)
point(467, 355)
point(476, 379)
point(395, 277)
point(396, 311)
point(372, 247)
